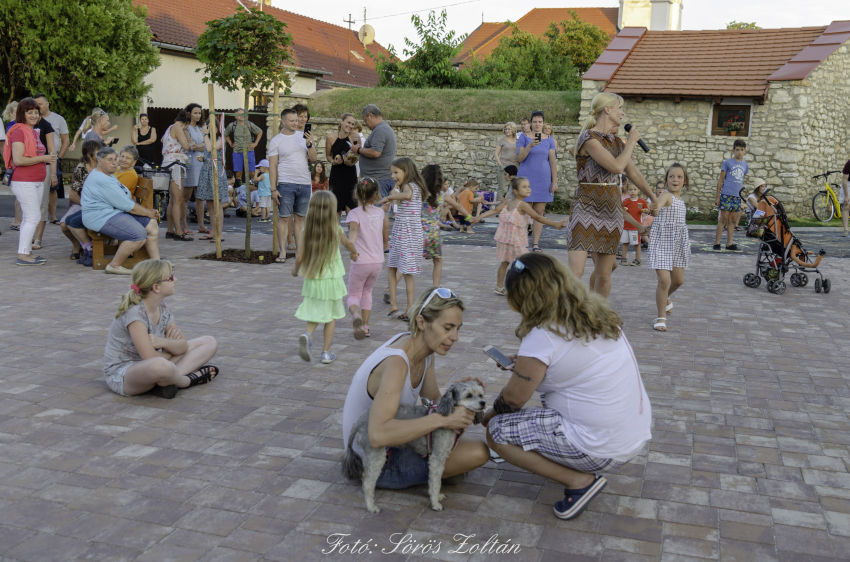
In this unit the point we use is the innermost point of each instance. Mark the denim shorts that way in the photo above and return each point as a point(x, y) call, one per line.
point(404, 468)
point(126, 227)
point(293, 197)
point(115, 382)
point(239, 161)
point(386, 186)
point(74, 220)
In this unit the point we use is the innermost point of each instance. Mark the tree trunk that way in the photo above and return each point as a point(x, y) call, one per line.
point(275, 241)
point(216, 202)
point(246, 175)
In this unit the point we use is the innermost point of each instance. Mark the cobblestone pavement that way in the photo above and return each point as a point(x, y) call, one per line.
point(749, 457)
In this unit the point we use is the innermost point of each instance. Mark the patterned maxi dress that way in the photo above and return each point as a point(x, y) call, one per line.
point(205, 181)
point(406, 241)
point(596, 218)
point(433, 245)
point(669, 246)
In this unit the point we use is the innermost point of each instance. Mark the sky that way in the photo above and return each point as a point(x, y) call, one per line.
point(465, 15)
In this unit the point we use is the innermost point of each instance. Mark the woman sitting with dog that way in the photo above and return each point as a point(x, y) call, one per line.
point(400, 371)
point(596, 415)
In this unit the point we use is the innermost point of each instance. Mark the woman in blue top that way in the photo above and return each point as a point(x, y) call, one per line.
point(108, 208)
point(536, 155)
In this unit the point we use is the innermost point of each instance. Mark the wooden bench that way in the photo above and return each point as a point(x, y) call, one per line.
point(102, 252)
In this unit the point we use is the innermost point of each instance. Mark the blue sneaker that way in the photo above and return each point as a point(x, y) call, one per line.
point(575, 501)
point(304, 347)
point(328, 357)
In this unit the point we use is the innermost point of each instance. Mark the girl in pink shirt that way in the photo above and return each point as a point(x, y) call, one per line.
point(365, 230)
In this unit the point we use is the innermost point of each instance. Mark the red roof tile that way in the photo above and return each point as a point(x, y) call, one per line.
point(730, 63)
point(316, 45)
point(486, 37)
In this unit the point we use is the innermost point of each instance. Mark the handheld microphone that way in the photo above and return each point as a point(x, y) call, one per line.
point(642, 144)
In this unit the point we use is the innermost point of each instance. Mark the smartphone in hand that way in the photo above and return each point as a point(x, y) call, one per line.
point(537, 136)
point(499, 357)
point(307, 128)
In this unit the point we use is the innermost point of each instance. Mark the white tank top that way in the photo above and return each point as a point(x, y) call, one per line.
point(358, 400)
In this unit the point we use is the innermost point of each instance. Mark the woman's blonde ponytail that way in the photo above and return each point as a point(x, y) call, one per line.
point(597, 105)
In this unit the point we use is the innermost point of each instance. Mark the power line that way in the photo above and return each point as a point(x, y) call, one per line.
point(426, 10)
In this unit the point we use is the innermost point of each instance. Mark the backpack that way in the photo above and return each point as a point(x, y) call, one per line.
point(232, 135)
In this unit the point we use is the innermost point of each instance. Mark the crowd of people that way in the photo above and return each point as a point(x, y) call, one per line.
point(595, 413)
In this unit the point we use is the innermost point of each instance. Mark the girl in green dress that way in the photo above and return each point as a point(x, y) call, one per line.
point(320, 265)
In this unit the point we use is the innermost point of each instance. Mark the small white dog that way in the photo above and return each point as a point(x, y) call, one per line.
point(469, 394)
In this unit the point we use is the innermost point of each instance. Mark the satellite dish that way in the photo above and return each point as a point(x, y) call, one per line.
point(366, 34)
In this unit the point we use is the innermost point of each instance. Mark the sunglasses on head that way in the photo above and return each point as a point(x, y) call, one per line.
point(169, 279)
point(444, 293)
point(518, 266)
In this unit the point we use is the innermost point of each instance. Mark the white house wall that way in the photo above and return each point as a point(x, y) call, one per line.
point(176, 84)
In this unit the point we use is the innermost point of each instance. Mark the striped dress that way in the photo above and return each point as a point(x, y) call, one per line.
point(406, 241)
point(596, 217)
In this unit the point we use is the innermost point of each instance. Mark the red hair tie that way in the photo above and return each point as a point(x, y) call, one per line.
point(136, 288)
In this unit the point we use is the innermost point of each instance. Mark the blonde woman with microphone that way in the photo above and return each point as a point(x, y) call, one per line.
point(596, 218)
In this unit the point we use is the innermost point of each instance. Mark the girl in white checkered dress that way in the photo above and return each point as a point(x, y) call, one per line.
point(669, 249)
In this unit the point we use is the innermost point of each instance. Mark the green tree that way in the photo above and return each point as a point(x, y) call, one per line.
point(741, 25)
point(81, 53)
point(248, 50)
point(524, 61)
point(578, 40)
point(429, 62)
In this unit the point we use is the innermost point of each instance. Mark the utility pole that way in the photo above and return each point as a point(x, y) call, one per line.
point(349, 21)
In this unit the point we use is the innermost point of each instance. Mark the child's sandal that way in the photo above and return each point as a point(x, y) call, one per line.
point(660, 325)
point(624, 262)
point(366, 331)
point(203, 375)
point(636, 262)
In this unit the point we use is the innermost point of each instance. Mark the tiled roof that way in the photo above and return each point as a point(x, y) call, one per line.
point(710, 63)
point(316, 45)
point(486, 37)
point(810, 58)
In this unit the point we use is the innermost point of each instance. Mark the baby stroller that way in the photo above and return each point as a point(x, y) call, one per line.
point(780, 251)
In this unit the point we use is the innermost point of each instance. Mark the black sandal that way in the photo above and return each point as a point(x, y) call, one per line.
point(75, 256)
point(203, 375)
point(403, 317)
point(167, 392)
point(183, 237)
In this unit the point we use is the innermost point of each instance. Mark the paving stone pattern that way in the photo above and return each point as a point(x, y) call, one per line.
point(748, 461)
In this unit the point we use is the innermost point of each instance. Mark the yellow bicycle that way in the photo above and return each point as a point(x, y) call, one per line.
point(825, 204)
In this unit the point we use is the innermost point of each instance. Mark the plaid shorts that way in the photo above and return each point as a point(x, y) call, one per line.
point(539, 429)
point(731, 203)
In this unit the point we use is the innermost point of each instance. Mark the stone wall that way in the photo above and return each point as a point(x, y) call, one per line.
point(826, 118)
point(801, 130)
point(463, 150)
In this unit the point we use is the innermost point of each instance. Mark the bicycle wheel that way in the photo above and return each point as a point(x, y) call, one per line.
point(823, 207)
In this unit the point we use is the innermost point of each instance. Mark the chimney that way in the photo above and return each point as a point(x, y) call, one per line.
point(634, 13)
point(666, 15)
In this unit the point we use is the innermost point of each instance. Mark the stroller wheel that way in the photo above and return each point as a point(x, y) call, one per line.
point(748, 279)
point(779, 287)
point(804, 279)
point(770, 286)
point(817, 285)
point(826, 285)
point(756, 281)
point(795, 279)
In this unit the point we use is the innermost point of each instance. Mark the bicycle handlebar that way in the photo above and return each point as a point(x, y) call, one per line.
point(826, 175)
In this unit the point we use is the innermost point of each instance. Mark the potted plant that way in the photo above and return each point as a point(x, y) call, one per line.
point(732, 126)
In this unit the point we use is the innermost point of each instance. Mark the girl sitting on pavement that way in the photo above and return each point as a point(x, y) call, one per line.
point(669, 245)
point(146, 351)
point(321, 266)
point(512, 234)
